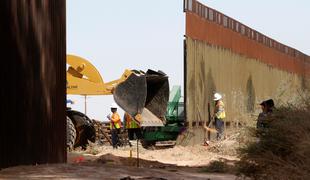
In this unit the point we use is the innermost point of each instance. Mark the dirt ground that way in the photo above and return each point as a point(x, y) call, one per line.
point(106, 171)
point(104, 162)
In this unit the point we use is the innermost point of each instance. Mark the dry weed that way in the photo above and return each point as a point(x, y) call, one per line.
point(283, 149)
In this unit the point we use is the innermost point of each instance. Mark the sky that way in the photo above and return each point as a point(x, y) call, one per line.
point(115, 35)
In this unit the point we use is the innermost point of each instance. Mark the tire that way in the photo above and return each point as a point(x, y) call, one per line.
point(85, 130)
point(71, 134)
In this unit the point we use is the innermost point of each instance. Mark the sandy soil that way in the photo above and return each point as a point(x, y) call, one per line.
point(104, 162)
point(103, 171)
point(197, 155)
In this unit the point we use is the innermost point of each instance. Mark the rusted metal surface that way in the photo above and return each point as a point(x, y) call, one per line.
point(207, 24)
point(245, 66)
point(243, 81)
point(33, 125)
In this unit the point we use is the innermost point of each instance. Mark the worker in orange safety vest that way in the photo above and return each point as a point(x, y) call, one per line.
point(115, 125)
point(133, 128)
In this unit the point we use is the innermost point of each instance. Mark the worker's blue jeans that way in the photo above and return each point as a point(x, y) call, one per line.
point(114, 134)
point(219, 126)
point(134, 131)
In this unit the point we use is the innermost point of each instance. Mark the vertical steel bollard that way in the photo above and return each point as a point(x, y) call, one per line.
point(137, 152)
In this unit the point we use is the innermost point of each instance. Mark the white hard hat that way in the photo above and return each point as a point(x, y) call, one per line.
point(217, 96)
point(114, 105)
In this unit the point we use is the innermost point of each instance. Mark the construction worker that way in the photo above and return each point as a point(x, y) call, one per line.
point(219, 115)
point(115, 125)
point(270, 105)
point(262, 115)
point(133, 128)
point(267, 108)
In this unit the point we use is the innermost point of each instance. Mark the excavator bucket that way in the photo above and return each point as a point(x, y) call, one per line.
point(130, 95)
point(146, 94)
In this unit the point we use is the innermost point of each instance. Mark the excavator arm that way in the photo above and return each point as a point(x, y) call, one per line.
point(142, 95)
point(84, 79)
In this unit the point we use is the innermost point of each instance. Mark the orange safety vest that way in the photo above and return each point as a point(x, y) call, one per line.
point(115, 123)
point(130, 123)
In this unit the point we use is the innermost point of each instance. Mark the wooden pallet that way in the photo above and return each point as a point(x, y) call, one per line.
point(103, 134)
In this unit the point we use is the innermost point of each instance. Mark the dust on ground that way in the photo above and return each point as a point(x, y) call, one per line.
point(194, 156)
point(104, 162)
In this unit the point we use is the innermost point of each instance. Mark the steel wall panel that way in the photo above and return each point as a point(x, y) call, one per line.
point(224, 55)
point(244, 83)
point(264, 49)
point(32, 124)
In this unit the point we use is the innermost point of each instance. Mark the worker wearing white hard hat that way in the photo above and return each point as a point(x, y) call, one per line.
point(217, 96)
point(115, 124)
point(114, 106)
point(219, 115)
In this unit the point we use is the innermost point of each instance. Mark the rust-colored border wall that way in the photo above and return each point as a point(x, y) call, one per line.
point(33, 91)
point(209, 25)
point(244, 83)
point(246, 67)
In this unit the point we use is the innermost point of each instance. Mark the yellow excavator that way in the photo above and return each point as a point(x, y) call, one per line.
point(144, 95)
